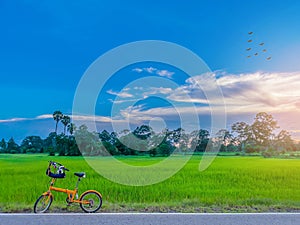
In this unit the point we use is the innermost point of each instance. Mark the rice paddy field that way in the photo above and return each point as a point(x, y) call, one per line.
point(230, 184)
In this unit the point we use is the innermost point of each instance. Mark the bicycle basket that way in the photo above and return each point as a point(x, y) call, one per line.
point(59, 173)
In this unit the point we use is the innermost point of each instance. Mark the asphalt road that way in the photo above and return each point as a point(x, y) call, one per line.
point(150, 219)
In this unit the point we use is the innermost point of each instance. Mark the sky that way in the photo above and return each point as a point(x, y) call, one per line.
point(47, 46)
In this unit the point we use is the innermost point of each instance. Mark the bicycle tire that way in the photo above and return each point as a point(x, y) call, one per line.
point(95, 201)
point(45, 201)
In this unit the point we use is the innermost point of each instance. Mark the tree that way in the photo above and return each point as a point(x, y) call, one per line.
point(243, 131)
point(61, 144)
point(71, 128)
point(262, 129)
point(122, 149)
point(174, 135)
point(88, 142)
point(259, 135)
point(12, 146)
point(143, 132)
point(129, 144)
point(114, 138)
point(155, 140)
point(2, 146)
point(200, 139)
point(32, 144)
point(105, 136)
point(164, 149)
point(65, 121)
point(179, 139)
point(57, 116)
point(111, 149)
point(283, 141)
point(225, 138)
point(50, 141)
point(108, 141)
point(244, 134)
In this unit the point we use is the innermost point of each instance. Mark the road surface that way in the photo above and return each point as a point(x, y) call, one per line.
point(150, 219)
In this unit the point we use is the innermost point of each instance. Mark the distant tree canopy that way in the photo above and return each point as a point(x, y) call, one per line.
point(245, 138)
point(260, 135)
point(12, 146)
point(32, 144)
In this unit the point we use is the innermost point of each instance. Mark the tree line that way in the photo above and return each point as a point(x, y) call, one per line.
point(243, 138)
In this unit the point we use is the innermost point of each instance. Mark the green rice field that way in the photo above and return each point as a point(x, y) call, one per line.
point(230, 184)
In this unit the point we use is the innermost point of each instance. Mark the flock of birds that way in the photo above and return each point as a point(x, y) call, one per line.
point(261, 45)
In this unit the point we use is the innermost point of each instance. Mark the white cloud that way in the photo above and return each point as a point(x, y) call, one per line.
point(274, 92)
point(45, 116)
point(139, 88)
point(243, 94)
point(40, 117)
point(165, 73)
point(152, 70)
point(271, 92)
point(50, 116)
point(14, 120)
point(159, 90)
point(91, 118)
point(122, 94)
point(138, 70)
point(123, 101)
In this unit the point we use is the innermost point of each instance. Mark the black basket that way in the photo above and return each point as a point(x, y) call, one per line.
point(59, 174)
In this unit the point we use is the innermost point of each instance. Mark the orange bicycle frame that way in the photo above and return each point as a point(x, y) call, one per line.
point(71, 193)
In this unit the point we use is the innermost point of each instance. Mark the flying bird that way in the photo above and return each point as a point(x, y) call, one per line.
point(259, 43)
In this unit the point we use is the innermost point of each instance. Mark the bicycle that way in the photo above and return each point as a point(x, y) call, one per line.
point(90, 201)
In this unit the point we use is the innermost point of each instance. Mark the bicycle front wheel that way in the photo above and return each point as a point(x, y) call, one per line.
point(91, 202)
point(43, 203)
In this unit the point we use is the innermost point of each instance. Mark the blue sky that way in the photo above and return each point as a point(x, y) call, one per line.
point(46, 46)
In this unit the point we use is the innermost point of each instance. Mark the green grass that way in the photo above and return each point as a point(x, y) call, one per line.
point(230, 184)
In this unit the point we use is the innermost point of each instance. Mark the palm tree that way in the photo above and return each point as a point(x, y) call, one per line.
point(65, 121)
point(57, 116)
point(71, 128)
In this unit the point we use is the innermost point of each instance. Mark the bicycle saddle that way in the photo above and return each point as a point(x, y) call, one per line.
point(82, 174)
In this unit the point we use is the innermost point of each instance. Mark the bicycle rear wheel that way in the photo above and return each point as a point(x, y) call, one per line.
point(43, 203)
point(91, 202)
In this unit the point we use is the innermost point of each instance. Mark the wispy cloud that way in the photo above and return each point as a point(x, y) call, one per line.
point(158, 90)
point(138, 70)
point(44, 116)
point(165, 73)
point(152, 70)
point(13, 120)
point(40, 117)
point(91, 118)
point(273, 92)
point(122, 94)
point(122, 101)
point(243, 94)
point(49, 116)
